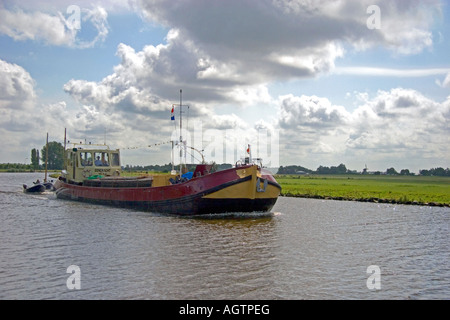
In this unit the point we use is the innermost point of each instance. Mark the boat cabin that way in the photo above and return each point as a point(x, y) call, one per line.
point(84, 161)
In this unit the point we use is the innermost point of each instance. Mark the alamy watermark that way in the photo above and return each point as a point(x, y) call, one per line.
point(374, 20)
point(73, 21)
point(226, 146)
point(74, 280)
point(374, 280)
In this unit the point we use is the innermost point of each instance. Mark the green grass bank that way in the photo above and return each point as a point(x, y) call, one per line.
point(419, 190)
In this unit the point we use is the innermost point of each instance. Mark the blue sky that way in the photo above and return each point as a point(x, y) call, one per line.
point(333, 90)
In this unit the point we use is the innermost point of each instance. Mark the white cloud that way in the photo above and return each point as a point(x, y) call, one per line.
point(16, 87)
point(310, 111)
point(21, 119)
point(227, 52)
point(284, 39)
point(53, 28)
point(400, 118)
point(21, 122)
point(228, 121)
point(398, 126)
point(390, 72)
point(35, 26)
point(145, 80)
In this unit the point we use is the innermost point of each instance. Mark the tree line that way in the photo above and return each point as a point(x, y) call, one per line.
point(342, 169)
point(55, 159)
point(436, 172)
point(39, 158)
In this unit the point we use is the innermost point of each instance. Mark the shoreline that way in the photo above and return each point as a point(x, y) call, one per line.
point(369, 199)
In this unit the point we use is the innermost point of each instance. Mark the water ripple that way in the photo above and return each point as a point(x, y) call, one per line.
point(304, 249)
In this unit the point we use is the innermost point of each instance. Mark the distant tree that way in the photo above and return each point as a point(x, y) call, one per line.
point(391, 171)
point(405, 172)
point(340, 169)
point(293, 170)
point(55, 155)
point(35, 159)
point(435, 172)
point(323, 170)
point(447, 172)
point(439, 172)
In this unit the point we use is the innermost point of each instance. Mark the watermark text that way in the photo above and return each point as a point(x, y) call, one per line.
point(374, 20)
point(74, 280)
point(374, 280)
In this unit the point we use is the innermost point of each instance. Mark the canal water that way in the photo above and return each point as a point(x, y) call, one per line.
point(303, 249)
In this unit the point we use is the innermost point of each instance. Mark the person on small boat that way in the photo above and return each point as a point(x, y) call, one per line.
point(37, 181)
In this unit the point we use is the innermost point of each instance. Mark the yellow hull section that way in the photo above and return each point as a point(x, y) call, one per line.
point(254, 188)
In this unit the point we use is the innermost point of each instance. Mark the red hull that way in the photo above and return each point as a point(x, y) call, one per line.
point(188, 198)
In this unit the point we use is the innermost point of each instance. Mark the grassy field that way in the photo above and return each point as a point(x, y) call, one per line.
point(376, 188)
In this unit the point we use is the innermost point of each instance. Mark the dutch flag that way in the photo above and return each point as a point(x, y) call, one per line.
point(172, 116)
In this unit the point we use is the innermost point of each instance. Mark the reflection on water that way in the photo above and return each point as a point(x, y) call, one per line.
point(304, 249)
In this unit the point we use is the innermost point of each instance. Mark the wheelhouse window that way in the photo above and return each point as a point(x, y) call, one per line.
point(115, 162)
point(101, 159)
point(69, 158)
point(86, 159)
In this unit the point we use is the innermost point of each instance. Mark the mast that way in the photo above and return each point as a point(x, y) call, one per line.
point(64, 150)
point(181, 137)
point(172, 158)
point(46, 159)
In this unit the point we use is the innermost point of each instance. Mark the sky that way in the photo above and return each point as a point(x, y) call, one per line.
point(310, 83)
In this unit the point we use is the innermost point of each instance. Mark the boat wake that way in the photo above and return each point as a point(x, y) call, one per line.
point(10, 192)
point(46, 195)
point(230, 215)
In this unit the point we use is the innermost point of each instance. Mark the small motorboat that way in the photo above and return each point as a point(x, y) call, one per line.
point(36, 188)
point(39, 187)
point(49, 186)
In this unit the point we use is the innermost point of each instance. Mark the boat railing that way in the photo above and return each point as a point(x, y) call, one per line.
point(81, 145)
point(247, 160)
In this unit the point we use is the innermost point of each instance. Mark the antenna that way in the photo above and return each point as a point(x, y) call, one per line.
point(64, 150)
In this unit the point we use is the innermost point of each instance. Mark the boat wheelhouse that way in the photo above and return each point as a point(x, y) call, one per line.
point(83, 161)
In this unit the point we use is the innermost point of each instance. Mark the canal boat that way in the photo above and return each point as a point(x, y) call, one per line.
point(93, 173)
